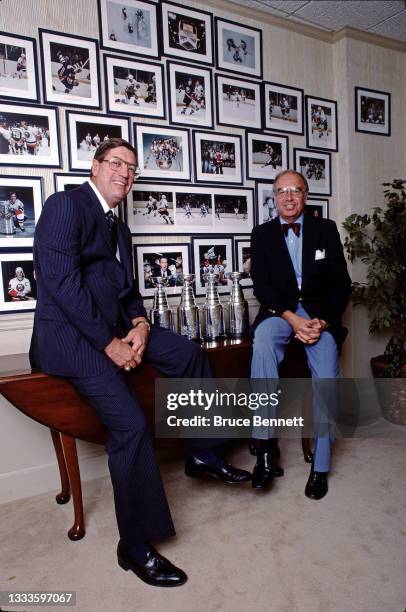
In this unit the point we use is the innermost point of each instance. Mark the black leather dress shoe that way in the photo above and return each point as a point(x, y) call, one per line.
point(316, 487)
point(264, 471)
point(196, 468)
point(156, 570)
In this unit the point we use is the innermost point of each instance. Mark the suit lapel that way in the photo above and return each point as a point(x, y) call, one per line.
point(125, 260)
point(308, 246)
point(280, 252)
point(98, 215)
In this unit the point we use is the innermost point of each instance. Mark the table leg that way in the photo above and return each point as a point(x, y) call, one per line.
point(64, 496)
point(77, 531)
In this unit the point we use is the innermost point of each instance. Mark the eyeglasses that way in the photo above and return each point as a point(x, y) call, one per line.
point(116, 164)
point(282, 192)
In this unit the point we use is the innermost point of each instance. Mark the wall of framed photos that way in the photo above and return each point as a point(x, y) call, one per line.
point(270, 89)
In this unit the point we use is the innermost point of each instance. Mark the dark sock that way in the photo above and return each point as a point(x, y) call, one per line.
point(138, 552)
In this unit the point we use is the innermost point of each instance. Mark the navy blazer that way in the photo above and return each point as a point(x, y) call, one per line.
point(86, 297)
point(326, 285)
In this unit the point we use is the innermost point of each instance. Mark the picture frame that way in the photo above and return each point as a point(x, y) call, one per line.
point(169, 259)
point(18, 68)
point(130, 27)
point(70, 69)
point(321, 124)
point(190, 95)
point(163, 152)
point(134, 87)
point(283, 108)
point(64, 181)
point(243, 260)
point(267, 155)
point(217, 158)
point(238, 48)
point(316, 167)
point(86, 131)
point(29, 136)
point(18, 290)
point(317, 207)
point(266, 206)
point(217, 251)
point(21, 200)
point(187, 34)
point(238, 102)
point(372, 111)
point(189, 208)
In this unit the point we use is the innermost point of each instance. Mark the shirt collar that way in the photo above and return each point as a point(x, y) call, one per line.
point(99, 196)
point(298, 220)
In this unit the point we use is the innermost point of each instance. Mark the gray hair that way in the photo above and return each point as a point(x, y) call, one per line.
point(278, 176)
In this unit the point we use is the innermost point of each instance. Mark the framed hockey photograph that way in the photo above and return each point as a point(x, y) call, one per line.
point(129, 27)
point(217, 158)
point(283, 108)
point(163, 153)
point(187, 34)
point(134, 87)
point(372, 111)
point(65, 182)
point(238, 48)
point(21, 199)
point(316, 207)
point(212, 254)
point(233, 211)
point(18, 68)
point(238, 102)
point(267, 155)
point(266, 206)
point(29, 136)
point(190, 95)
point(86, 131)
point(169, 261)
point(316, 167)
point(18, 289)
point(321, 124)
point(243, 260)
point(70, 69)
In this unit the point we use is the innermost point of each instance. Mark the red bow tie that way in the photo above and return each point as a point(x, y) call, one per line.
point(295, 227)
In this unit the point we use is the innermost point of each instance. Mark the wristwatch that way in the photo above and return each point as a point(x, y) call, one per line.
point(143, 322)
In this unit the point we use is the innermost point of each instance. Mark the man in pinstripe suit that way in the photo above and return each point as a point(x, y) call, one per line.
point(90, 323)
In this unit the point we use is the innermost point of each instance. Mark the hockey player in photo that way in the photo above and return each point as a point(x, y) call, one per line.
point(96, 140)
point(204, 211)
point(187, 89)
point(17, 140)
point(218, 163)
point(21, 66)
point(16, 207)
point(88, 141)
point(131, 89)
point(67, 72)
point(285, 108)
point(151, 91)
point(271, 161)
point(152, 206)
point(237, 51)
point(19, 287)
point(163, 210)
point(31, 141)
point(188, 210)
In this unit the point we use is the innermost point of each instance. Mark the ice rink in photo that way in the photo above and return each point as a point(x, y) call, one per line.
point(128, 25)
point(238, 107)
point(17, 217)
point(283, 112)
point(71, 74)
point(135, 89)
point(321, 124)
point(230, 212)
point(238, 49)
point(315, 172)
point(13, 69)
point(24, 137)
point(152, 208)
point(194, 210)
point(190, 98)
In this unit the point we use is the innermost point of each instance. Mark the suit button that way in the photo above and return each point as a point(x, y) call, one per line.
point(300, 299)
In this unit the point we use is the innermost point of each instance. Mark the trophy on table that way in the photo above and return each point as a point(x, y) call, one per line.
point(160, 313)
point(213, 311)
point(238, 307)
point(188, 312)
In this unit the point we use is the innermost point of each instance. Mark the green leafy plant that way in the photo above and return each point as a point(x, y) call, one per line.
point(379, 241)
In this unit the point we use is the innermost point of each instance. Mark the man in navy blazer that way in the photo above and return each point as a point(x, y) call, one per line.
point(90, 324)
point(301, 281)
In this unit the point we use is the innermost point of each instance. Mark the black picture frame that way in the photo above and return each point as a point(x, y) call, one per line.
point(190, 100)
point(321, 124)
point(317, 207)
point(315, 166)
point(242, 247)
point(25, 298)
point(64, 181)
point(276, 147)
point(233, 59)
point(235, 149)
point(266, 207)
point(222, 247)
point(233, 106)
point(21, 201)
point(146, 255)
point(375, 118)
point(13, 84)
point(290, 116)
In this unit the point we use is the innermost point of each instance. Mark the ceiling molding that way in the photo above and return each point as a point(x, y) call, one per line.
point(369, 37)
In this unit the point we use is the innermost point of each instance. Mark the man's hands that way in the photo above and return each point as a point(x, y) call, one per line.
point(307, 331)
point(128, 351)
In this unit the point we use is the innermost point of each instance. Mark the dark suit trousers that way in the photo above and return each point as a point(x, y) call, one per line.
point(141, 507)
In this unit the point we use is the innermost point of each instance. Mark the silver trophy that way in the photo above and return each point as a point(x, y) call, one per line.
point(238, 307)
point(213, 311)
point(161, 314)
point(188, 312)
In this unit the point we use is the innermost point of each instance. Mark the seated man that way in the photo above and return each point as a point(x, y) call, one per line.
point(301, 281)
point(90, 324)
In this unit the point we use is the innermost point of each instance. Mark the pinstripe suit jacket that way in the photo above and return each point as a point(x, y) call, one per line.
point(86, 297)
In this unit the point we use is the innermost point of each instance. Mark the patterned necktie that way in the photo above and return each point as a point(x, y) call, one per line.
point(112, 225)
point(295, 227)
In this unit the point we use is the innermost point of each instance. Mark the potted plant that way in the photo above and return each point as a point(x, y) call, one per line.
point(379, 241)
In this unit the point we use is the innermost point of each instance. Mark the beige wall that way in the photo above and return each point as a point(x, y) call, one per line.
point(313, 60)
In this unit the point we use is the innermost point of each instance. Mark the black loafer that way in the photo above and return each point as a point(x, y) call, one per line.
point(316, 487)
point(156, 570)
point(264, 471)
point(222, 471)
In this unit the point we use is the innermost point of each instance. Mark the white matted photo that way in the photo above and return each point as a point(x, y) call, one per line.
point(267, 155)
point(238, 48)
point(163, 153)
point(21, 200)
point(134, 87)
point(18, 288)
point(316, 207)
point(187, 34)
point(18, 68)
point(243, 260)
point(169, 261)
point(266, 206)
point(190, 95)
point(66, 182)
point(316, 167)
point(70, 69)
point(283, 109)
point(87, 131)
point(372, 111)
point(29, 135)
point(129, 27)
point(212, 254)
point(238, 102)
point(321, 124)
point(217, 158)
point(233, 211)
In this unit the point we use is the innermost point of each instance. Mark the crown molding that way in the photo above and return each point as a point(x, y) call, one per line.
point(369, 37)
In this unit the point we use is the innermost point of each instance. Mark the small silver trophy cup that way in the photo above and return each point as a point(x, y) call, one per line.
point(213, 311)
point(188, 312)
point(161, 314)
point(238, 307)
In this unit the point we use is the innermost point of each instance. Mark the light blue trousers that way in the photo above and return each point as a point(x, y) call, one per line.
point(270, 340)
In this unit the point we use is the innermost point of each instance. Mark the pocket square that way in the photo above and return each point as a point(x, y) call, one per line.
point(320, 254)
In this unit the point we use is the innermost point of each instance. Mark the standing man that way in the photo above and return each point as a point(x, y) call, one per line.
point(16, 207)
point(301, 281)
point(90, 324)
